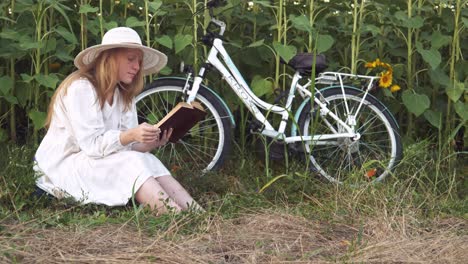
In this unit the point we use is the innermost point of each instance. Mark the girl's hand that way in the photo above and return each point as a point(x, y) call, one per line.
point(146, 133)
point(164, 139)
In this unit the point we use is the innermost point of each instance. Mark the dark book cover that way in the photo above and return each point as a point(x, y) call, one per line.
point(181, 119)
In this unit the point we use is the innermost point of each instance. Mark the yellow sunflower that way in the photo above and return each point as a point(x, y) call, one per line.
point(395, 88)
point(386, 79)
point(386, 74)
point(377, 62)
point(373, 64)
point(370, 65)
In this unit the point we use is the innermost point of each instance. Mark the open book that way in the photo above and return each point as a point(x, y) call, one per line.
point(181, 119)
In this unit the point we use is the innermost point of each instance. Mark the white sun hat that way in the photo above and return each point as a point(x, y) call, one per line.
point(123, 37)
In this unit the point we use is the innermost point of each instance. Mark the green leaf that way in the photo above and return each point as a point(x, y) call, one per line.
point(371, 28)
point(261, 86)
point(414, 22)
point(51, 45)
point(454, 92)
point(435, 118)
point(10, 34)
point(24, 6)
point(93, 27)
point(286, 52)
point(388, 93)
point(6, 83)
point(154, 6)
point(301, 22)
point(462, 110)
point(235, 43)
point(257, 43)
point(134, 22)
point(87, 8)
point(264, 3)
point(165, 40)
point(23, 93)
point(415, 103)
point(324, 43)
point(64, 55)
point(7, 19)
point(110, 25)
point(465, 21)
point(182, 41)
point(26, 77)
point(253, 57)
point(11, 99)
point(49, 81)
point(440, 77)
point(165, 71)
point(432, 57)
point(400, 15)
point(27, 43)
point(67, 35)
point(61, 9)
point(38, 118)
point(438, 40)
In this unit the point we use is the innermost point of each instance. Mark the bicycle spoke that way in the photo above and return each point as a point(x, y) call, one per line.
point(339, 158)
point(204, 146)
point(193, 155)
point(215, 140)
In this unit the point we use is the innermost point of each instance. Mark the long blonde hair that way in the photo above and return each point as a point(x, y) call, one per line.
point(103, 73)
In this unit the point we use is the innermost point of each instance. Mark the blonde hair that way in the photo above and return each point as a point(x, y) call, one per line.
point(103, 73)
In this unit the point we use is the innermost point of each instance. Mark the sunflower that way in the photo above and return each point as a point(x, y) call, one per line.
point(370, 65)
point(377, 62)
point(395, 88)
point(373, 64)
point(386, 79)
point(386, 74)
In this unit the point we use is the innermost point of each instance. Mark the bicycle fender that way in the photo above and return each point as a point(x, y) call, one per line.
point(303, 104)
point(231, 116)
point(296, 117)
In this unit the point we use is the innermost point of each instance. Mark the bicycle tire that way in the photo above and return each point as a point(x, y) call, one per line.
point(370, 158)
point(206, 145)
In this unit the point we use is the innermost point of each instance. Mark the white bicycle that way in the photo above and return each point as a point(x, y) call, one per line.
point(344, 131)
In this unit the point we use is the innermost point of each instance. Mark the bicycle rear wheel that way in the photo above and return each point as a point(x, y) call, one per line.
point(206, 145)
point(369, 158)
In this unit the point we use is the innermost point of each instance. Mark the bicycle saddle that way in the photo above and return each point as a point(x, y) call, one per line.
point(302, 62)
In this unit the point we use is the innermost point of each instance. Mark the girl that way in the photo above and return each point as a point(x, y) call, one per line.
point(94, 149)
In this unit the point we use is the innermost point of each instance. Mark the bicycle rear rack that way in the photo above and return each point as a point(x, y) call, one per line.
point(331, 78)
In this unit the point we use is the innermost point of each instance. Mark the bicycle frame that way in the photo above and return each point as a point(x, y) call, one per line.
point(233, 77)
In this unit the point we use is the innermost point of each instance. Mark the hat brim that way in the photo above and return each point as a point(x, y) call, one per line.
point(153, 60)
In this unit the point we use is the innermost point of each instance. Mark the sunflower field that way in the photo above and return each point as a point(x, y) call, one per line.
point(418, 46)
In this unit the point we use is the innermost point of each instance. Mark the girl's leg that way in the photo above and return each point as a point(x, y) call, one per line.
point(153, 194)
point(178, 192)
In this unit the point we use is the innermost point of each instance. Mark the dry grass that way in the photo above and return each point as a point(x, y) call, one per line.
point(260, 237)
point(399, 242)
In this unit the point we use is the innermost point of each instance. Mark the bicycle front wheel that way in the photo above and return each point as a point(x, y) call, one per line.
point(206, 145)
point(369, 158)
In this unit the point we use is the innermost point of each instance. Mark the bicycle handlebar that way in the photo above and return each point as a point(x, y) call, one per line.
point(208, 38)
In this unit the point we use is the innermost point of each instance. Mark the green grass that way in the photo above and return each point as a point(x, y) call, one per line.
point(236, 185)
point(414, 199)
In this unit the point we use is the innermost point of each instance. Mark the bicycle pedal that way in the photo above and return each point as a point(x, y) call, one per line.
point(296, 148)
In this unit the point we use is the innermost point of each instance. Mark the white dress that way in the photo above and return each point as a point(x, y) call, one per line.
point(81, 155)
